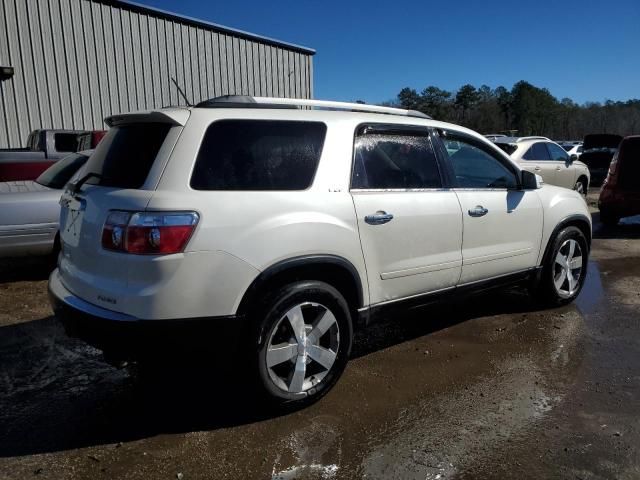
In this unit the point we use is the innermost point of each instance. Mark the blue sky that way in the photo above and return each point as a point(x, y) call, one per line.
point(585, 50)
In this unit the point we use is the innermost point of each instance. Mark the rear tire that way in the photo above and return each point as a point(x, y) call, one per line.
point(564, 269)
point(301, 343)
point(581, 186)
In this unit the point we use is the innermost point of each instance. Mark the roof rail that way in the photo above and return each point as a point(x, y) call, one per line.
point(244, 101)
point(521, 139)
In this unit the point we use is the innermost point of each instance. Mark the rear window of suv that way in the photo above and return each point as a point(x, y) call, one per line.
point(125, 155)
point(258, 155)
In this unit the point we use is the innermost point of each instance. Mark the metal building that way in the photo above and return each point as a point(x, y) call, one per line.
point(71, 63)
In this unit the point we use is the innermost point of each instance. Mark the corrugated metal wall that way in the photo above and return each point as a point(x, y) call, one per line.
point(78, 61)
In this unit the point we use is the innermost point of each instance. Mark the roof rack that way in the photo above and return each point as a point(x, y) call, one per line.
point(245, 101)
point(522, 139)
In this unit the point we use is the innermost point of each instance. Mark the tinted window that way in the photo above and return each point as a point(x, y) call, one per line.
point(258, 155)
point(567, 147)
point(629, 164)
point(538, 151)
point(125, 155)
point(57, 175)
point(66, 142)
point(557, 153)
point(395, 161)
point(476, 168)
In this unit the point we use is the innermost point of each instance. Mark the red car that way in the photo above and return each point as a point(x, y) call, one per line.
point(620, 195)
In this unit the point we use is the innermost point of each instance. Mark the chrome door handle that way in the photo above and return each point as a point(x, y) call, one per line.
point(479, 211)
point(378, 218)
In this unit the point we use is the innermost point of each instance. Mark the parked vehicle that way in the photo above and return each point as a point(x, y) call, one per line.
point(280, 231)
point(598, 150)
point(44, 147)
point(541, 156)
point(573, 149)
point(493, 136)
point(620, 195)
point(31, 209)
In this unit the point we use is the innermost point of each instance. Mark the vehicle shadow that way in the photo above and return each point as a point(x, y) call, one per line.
point(22, 269)
point(58, 394)
point(627, 228)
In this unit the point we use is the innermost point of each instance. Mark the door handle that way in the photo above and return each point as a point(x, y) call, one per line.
point(479, 211)
point(537, 169)
point(378, 218)
point(558, 168)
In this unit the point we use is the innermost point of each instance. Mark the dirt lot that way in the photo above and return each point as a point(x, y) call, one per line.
point(491, 387)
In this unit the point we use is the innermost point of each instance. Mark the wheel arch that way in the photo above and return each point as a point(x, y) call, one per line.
point(579, 221)
point(332, 269)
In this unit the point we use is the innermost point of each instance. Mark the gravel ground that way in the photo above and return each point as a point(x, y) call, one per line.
point(491, 387)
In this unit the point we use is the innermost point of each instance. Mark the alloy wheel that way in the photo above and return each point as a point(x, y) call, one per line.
point(567, 268)
point(302, 347)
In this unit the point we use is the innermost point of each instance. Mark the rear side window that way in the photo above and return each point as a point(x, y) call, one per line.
point(258, 155)
point(66, 142)
point(125, 155)
point(400, 160)
point(538, 151)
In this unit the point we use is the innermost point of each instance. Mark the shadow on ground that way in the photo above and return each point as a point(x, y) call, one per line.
point(627, 228)
point(25, 269)
point(58, 394)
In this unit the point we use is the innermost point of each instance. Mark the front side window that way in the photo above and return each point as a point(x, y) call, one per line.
point(537, 152)
point(398, 160)
point(258, 155)
point(557, 153)
point(474, 167)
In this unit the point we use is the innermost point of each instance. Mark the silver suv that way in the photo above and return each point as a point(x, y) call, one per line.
point(279, 230)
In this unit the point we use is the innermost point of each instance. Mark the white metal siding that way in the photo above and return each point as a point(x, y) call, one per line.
point(79, 61)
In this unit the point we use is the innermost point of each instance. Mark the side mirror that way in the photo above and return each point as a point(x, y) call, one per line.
point(573, 157)
point(531, 181)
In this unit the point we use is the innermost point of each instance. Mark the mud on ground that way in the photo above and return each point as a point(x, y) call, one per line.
point(490, 387)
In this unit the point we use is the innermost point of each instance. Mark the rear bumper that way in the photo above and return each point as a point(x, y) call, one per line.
point(124, 337)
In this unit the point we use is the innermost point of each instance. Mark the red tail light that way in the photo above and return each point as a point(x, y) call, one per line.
point(148, 233)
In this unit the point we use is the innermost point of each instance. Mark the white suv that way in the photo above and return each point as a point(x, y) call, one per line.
point(280, 230)
point(549, 160)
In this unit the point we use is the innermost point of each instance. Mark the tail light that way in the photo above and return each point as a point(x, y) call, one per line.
point(148, 233)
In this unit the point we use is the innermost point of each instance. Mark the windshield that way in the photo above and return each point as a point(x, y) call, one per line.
point(57, 175)
point(567, 147)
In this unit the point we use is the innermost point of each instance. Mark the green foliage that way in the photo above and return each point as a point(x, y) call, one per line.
point(525, 108)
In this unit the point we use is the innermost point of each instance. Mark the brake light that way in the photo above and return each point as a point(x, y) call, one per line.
point(148, 233)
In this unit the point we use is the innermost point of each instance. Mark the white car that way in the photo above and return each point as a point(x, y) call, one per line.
point(278, 231)
point(549, 160)
point(573, 149)
point(30, 209)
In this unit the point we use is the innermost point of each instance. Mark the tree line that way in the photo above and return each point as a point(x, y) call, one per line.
point(524, 110)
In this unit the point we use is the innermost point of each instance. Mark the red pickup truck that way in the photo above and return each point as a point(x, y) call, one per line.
point(44, 147)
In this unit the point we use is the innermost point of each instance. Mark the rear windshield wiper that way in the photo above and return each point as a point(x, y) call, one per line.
point(76, 186)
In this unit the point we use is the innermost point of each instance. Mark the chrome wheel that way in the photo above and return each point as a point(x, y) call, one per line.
point(568, 268)
point(302, 347)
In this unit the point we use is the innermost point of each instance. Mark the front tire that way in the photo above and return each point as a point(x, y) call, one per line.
point(564, 269)
point(303, 336)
